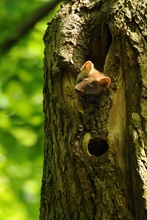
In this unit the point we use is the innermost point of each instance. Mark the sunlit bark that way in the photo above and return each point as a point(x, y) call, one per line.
point(95, 151)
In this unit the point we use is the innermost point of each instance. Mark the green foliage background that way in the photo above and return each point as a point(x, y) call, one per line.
point(21, 115)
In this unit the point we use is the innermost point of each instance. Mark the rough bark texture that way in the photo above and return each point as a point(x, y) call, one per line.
point(95, 152)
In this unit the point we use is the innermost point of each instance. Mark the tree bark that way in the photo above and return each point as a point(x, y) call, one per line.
point(95, 150)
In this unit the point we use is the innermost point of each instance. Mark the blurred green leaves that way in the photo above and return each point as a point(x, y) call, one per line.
point(21, 115)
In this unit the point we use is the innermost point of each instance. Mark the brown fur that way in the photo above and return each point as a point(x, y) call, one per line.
point(91, 81)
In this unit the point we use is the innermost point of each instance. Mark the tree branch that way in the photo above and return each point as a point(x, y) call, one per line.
point(27, 25)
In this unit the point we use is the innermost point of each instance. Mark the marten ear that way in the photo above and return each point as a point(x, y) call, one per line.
point(105, 82)
point(87, 66)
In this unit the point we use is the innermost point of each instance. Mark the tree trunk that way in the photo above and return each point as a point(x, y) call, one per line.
point(95, 148)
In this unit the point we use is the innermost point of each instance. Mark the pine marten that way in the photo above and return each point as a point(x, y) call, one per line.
point(90, 81)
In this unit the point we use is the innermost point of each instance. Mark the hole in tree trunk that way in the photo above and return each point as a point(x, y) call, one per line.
point(97, 146)
point(99, 46)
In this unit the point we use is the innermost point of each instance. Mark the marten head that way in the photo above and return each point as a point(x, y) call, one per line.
point(90, 81)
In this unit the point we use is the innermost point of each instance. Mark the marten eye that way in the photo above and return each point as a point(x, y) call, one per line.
point(80, 79)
